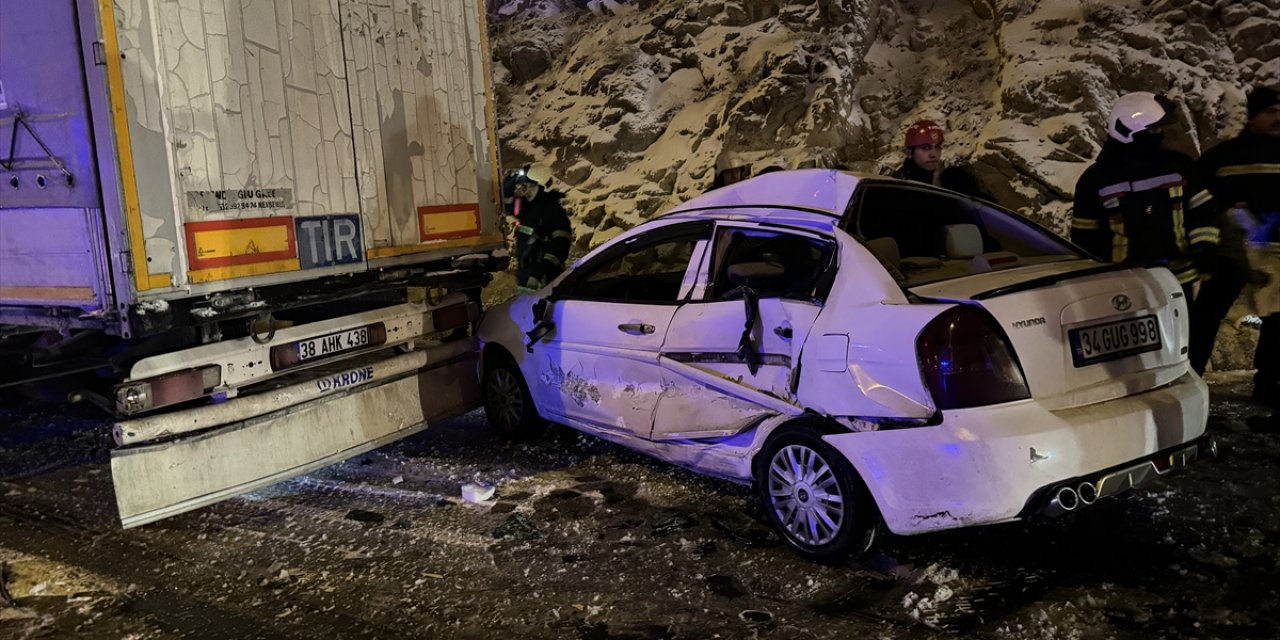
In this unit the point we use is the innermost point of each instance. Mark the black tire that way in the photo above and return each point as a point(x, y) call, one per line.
point(507, 402)
point(832, 516)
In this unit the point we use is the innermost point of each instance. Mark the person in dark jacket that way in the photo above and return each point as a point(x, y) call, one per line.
point(730, 168)
point(1243, 174)
point(923, 145)
point(1139, 202)
point(543, 231)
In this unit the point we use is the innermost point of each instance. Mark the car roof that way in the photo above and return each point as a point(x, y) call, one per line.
point(812, 196)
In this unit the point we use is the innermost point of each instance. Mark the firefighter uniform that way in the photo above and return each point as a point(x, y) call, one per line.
point(543, 236)
point(1141, 204)
point(1243, 174)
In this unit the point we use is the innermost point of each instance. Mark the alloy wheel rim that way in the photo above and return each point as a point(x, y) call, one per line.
point(805, 495)
point(506, 404)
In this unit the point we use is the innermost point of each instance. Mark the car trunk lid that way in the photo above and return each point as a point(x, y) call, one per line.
point(1084, 333)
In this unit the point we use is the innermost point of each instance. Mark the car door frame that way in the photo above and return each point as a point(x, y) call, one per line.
point(563, 390)
point(713, 387)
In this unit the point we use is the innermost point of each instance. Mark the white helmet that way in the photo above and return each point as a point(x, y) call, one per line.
point(1138, 111)
point(539, 174)
point(730, 160)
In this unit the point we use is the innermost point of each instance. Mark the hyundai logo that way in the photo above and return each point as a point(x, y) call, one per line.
point(1121, 302)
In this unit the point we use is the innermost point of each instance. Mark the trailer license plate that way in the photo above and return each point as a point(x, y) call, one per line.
point(332, 344)
point(319, 348)
point(1090, 345)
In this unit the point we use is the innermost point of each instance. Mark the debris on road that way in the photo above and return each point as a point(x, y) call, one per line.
point(477, 492)
point(757, 619)
point(517, 527)
point(749, 536)
point(673, 524)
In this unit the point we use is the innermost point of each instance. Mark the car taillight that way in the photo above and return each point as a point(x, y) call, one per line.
point(967, 360)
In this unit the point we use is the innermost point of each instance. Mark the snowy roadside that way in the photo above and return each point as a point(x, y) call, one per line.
point(584, 539)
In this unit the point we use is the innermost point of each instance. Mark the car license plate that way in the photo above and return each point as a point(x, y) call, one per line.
point(1114, 340)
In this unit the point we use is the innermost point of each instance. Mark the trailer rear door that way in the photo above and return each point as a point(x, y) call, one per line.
point(52, 246)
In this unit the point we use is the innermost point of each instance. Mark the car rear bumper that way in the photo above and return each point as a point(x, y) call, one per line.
point(996, 464)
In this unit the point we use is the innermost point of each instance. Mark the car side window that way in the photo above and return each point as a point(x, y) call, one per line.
point(641, 270)
point(777, 264)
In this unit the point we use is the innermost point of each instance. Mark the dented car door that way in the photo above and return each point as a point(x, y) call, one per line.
point(733, 351)
point(600, 360)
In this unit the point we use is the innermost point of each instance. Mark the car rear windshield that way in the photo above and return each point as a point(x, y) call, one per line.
point(928, 235)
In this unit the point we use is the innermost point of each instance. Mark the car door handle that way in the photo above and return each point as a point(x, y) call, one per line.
point(783, 332)
point(636, 328)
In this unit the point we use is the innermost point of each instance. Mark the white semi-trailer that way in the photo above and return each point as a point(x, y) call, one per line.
point(255, 230)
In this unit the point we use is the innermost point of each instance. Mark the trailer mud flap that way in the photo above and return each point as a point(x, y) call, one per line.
point(157, 481)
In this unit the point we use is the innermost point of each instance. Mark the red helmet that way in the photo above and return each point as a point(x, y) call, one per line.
point(924, 132)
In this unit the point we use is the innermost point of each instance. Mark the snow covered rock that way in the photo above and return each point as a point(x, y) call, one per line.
point(632, 102)
point(639, 98)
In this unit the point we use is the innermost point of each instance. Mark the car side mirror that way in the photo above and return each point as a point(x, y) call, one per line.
point(542, 324)
point(541, 310)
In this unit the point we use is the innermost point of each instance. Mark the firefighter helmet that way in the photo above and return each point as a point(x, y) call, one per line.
point(1136, 112)
point(922, 133)
point(539, 174)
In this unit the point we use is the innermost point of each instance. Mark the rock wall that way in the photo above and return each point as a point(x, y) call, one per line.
point(632, 102)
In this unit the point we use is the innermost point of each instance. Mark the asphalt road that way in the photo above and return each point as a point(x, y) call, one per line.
point(587, 540)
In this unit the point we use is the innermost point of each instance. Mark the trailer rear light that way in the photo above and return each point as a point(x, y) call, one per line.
point(967, 361)
point(453, 316)
point(167, 390)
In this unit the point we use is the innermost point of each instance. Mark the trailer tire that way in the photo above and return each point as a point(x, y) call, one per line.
point(508, 405)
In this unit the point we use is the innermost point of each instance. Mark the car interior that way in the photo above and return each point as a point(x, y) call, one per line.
point(775, 264)
point(923, 235)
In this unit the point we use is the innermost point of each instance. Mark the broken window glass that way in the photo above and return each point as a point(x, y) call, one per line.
point(776, 264)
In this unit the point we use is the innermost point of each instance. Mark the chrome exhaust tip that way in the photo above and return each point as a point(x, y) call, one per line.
point(1087, 492)
point(1211, 447)
point(1067, 498)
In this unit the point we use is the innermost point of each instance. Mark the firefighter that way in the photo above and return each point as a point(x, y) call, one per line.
point(1138, 202)
point(923, 146)
point(543, 232)
point(1241, 173)
point(730, 168)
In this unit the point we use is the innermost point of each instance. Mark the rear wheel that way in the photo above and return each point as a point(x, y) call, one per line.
point(507, 402)
point(813, 496)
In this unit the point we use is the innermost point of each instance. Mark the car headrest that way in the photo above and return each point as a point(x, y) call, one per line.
point(886, 251)
point(754, 274)
point(962, 240)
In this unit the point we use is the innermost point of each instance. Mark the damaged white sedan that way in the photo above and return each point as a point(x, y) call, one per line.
point(867, 352)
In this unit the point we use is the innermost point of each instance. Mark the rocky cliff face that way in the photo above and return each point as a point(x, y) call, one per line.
point(632, 102)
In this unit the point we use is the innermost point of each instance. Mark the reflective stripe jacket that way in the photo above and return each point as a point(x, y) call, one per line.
point(543, 236)
point(1243, 172)
point(1142, 205)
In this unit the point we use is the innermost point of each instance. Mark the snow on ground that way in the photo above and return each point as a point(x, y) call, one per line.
point(587, 540)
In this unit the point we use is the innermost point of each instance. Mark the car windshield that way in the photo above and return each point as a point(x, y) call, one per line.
point(928, 235)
